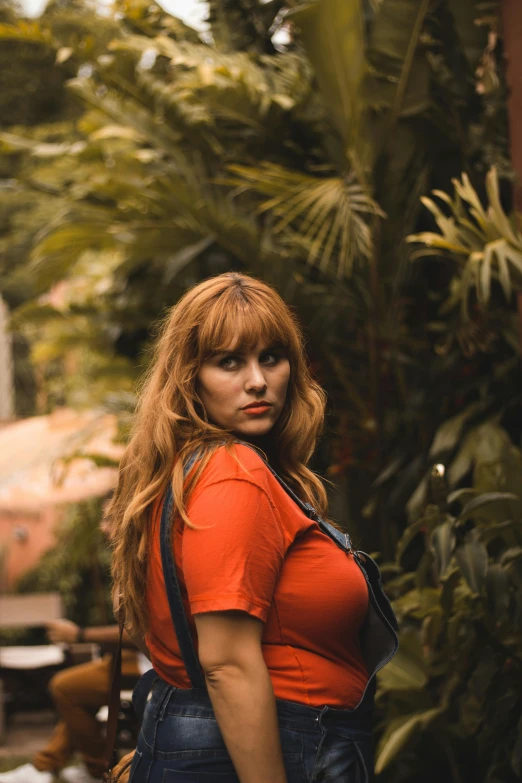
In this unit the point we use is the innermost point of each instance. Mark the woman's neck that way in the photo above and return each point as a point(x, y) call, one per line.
point(267, 446)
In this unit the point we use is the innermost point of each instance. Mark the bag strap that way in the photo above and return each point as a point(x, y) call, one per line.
point(114, 702)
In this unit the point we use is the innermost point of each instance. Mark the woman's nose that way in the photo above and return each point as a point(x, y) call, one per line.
point(255, 379)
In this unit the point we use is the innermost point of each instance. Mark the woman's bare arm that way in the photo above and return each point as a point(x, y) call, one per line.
point(241, 693)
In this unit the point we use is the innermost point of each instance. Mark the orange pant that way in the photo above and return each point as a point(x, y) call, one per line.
point(78, 693)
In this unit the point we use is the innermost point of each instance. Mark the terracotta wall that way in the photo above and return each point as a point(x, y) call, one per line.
point(24, 537)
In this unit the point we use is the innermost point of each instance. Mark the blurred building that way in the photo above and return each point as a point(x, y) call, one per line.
point(47, 462)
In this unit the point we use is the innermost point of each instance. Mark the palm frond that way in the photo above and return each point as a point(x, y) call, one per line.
point(127, 112)
point(12, 142)
point(483, 241)
point(328, 217)
point(205, 84)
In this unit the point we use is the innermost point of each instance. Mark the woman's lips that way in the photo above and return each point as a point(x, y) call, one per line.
point(257, 410)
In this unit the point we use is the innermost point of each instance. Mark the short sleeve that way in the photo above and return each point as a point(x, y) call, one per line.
point(235, 561)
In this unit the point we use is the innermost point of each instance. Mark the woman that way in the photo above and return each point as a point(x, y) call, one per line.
point(255, 612)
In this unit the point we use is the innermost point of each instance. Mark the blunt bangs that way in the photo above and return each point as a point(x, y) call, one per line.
point(240, 320)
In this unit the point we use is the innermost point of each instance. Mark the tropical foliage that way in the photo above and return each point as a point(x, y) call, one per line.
point(173, 155)
point(485, 242)
point(453, 689)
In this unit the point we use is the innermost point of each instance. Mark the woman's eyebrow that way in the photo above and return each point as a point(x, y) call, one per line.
point(275, 346)
point(225, 352)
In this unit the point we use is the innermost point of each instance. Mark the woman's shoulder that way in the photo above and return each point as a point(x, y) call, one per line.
point(250, 481)
point(234, 474)
point(236, 461)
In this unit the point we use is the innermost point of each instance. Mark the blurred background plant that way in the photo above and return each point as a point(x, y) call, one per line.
point(298, 142)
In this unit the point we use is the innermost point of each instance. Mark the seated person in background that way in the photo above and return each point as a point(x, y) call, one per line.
point(78, 692)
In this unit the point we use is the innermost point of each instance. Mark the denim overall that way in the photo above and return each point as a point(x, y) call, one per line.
point(180, 740)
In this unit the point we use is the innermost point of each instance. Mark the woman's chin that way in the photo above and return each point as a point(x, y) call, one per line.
point(254, 429)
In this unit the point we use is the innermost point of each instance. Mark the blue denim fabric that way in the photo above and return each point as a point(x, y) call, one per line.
point(180, 741)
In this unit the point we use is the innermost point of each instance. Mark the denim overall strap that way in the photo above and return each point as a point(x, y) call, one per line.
point(177, 611)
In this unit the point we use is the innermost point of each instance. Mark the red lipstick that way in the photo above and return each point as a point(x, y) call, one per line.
point(262, 406)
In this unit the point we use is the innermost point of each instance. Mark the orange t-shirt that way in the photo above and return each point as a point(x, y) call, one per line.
point(262, 554)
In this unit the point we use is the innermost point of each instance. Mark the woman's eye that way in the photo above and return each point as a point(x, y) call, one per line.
point(270, 358)
point(228, 362)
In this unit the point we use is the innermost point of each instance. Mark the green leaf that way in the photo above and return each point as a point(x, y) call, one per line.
point(485, 499)
point(496, 211)
point(27, 32)
point(407, 670)
point(12, 142)
point(483, 244)
point(497, 592)
point(472, 559)
point(511, 554)
point(392, 44)
point(100, 460)
point(418, 603)
point(417, 499)
point(464, 494)
point(34, 312)
point(336, 27)
point(430, 519)
point(508, 530)
point(125, 111)
point(485, 442)
point(62, 244)
point(179, 260)
point(450, 432)
point(443, 545)
point(400, 733)
point(449, 583)
point(329, 217)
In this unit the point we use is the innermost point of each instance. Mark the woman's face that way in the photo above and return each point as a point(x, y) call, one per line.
point(245, 390)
